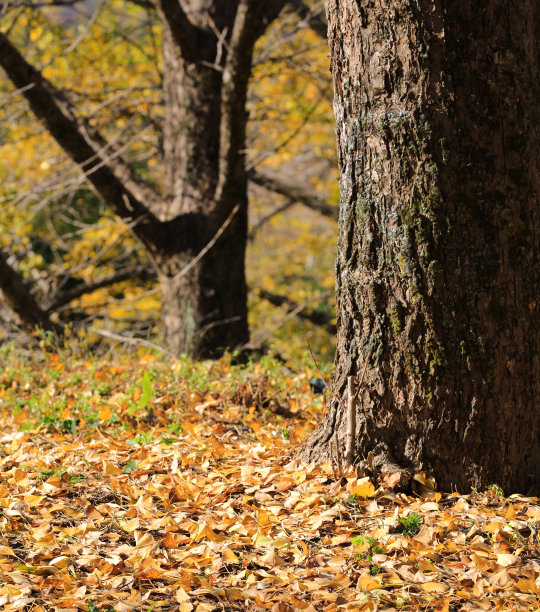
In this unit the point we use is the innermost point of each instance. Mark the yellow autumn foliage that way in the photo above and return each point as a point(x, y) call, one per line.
point(109, 64)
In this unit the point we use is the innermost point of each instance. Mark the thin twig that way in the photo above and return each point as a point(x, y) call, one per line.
point(365, 368)
point(334, 396)
point(79, 38)
point(107, 334)
point(221, 36)
point(350, 453)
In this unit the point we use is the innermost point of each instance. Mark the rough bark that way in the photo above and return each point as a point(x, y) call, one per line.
point(204, 308)
point(437, 109)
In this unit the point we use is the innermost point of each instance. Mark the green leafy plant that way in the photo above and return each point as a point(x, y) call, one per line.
point(402, 600)
point(144, 437)
point(175, 428)
point(145, 396)
point(131, 466)
point(370, 546)
point(410, 525)
point(44, 474)
point(69, 425)
point(73, 478)
point(495, 490)
point(168, 441)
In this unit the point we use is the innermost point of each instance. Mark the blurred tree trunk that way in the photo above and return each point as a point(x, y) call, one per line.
point(204, 309)
point(437, 109)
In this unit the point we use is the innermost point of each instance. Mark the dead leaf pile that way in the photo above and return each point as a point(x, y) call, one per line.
point(186, 498)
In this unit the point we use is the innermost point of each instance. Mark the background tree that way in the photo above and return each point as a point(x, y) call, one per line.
point(204, 310)
point(437, 270)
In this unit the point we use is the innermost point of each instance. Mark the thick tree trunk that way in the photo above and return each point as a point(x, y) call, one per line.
point(437, 108)
point(204, 299)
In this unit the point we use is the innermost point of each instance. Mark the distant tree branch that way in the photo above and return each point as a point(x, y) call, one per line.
point(252, 17)
point(141, 273)
point(112, 178)
point(145, 4)
point(29, 4)
point(301, 310)
point(272, 9)
point(21, 301)
point(294, 193)
point(129, 340)
point(264, 220)
point(315, 20)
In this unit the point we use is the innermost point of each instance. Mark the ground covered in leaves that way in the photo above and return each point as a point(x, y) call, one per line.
point(143, 485)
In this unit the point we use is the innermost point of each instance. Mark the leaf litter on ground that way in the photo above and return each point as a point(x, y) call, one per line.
point(145, 485)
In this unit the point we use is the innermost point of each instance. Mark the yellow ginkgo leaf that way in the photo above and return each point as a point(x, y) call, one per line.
point(364, 490)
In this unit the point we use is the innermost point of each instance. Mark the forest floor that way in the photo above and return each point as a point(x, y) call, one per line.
point(136, 484)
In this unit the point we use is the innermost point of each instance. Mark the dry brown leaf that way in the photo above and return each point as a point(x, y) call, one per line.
point(435, 587)
point(213, 516)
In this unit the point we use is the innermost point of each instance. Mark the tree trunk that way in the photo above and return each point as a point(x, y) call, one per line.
point(204, 299)
point(204, 307)
point(437, 108)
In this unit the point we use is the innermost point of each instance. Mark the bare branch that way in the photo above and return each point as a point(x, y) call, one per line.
point(316, 20)
point(350, 448)
point(294, 193)
point(112, 178)
point(252, 18)
point(141, 273)
point(145, 4)
point(272, 9)
point(129, 340)
point(262, 222)
point(22, 302)
point(301, 310)
point(30, 4)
